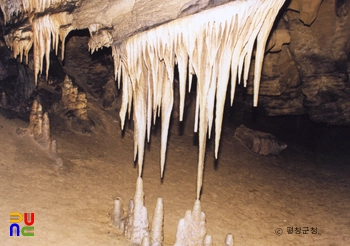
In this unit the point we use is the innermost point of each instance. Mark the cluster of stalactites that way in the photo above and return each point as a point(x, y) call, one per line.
point(43, 32)
point(99, 37)
point(48, 30)
point(10, 7)
point(212, 44)
point(20, 41)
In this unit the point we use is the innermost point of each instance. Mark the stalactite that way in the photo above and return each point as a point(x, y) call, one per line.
point(43, 31)
point(47, 31)
point(99, 37)
point(10, 8)
point(41, 5)
point(20, 41)
point(212, 44)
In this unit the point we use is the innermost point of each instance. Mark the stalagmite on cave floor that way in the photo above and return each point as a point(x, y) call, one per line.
point(244, 194)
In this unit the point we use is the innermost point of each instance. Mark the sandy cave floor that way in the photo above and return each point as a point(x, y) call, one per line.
point(244, 194)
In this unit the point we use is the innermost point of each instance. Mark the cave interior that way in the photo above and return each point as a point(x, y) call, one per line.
point(304, 92)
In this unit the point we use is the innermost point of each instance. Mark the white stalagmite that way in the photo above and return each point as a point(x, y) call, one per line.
point(208, 241)
point(157, 236)
point(191, 229)
point(140, 219)
point(229, 241)
point(212, 44)
point(117, 215)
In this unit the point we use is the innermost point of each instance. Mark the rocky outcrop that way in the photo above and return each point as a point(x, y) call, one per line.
point(310, 75)
point(261, 143)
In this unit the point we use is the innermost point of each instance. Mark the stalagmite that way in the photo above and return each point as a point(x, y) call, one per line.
point(45, 139)
point(117, 214)
point(74, 100)
point(208, 241)
point(140, 219)
point(3, 100)
point(229, 241)
point(191, 229)
point(145, 241)
point(33, 117)
point(129, 220)
point(157, 236)
point(39, 129)
point(212, 44)
point(38, 124)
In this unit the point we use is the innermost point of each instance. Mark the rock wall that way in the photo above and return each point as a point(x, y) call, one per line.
point(310, 75)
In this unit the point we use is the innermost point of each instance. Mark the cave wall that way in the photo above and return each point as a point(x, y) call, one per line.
point(310, 75)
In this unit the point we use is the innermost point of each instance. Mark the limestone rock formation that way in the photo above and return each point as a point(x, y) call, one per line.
point(39, 129)
point(310, 74)
point(229, 240)
point(74, 100)
point(261, 143)
point(191, 229)
point(157, 232)
point(117, 214)
point(74, 105)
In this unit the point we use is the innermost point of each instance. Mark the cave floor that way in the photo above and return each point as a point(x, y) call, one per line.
point(244, 194)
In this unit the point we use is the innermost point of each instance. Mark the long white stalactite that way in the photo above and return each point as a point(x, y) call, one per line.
point(212, 44)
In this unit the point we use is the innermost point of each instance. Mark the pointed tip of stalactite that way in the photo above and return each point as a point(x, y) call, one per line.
point(199, 188)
